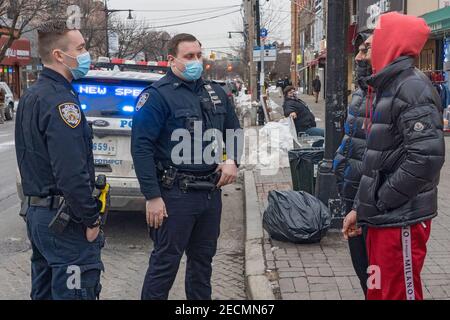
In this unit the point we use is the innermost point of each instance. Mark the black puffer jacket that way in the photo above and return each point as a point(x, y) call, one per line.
point(405, 149)
point(305, 118)
point(347, 163)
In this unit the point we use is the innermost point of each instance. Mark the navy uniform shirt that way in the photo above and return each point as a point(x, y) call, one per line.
point(172, 104)
point(54, 145)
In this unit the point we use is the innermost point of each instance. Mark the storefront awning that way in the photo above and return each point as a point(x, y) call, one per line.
point(322, 56)
point(18, 54)
point(438, 20)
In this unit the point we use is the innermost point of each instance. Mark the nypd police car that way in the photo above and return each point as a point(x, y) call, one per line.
point(108, 99)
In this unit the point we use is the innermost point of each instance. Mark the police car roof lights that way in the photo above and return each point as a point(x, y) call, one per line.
point(125, 64)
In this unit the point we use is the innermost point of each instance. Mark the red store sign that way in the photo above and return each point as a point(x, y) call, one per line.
point(18, 54)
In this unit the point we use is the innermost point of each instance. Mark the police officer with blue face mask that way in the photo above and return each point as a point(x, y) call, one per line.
point(54, 155)
point(179, 126)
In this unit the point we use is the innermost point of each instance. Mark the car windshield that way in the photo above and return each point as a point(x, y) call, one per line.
point(109, 98)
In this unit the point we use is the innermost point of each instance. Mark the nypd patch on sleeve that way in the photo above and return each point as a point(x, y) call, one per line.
point(70, 113)
point(142, 100)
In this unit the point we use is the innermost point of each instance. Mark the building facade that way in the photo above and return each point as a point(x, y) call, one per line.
point(17, 57)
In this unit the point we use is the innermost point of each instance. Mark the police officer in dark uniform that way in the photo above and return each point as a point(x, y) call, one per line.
point(181, 186)
point(54, 154)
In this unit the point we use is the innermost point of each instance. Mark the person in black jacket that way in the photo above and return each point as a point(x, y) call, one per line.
point(297, 109)
point(397, 196)
point(317, 86)
point(348, 160)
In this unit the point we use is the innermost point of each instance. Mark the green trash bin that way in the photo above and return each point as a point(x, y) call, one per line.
point(304, 165)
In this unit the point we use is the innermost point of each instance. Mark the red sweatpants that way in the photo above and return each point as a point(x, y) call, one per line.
point(398, 254)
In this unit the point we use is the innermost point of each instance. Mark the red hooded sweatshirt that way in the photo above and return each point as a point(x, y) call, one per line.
point(397, 35)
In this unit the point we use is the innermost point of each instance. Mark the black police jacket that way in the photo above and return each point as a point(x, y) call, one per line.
point(405, 149)
point(54, 145)
point(171, 104)
point(347, 163)
point(305, 118)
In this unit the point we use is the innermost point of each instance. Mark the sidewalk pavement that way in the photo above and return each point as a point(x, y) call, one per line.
point(324, 270)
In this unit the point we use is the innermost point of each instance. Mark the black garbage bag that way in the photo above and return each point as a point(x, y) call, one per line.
point(296, 216)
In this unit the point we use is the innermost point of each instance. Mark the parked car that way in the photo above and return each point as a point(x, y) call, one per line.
point(9, 101)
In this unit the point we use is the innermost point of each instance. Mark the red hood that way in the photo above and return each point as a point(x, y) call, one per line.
point(398, 35)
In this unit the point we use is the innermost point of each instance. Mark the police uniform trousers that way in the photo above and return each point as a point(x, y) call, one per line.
point(66, 266)
point(193, 227)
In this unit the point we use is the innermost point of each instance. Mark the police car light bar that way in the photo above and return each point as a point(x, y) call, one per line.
point(130, 65)
point(132, 62)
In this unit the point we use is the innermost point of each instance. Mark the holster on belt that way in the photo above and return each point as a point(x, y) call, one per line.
point(205, 183)
point(61, 219)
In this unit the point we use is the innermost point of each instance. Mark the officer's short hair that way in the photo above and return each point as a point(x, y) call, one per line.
point(172, 47)
point(50, 34)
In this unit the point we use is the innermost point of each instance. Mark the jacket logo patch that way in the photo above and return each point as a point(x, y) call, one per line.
point(70, 113)
point(142, 100)
point(418, 127)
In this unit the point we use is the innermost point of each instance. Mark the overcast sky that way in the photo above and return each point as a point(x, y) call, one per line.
point(212, 33)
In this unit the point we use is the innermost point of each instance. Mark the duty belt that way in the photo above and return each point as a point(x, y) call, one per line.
point(202, 183)
point(50, 202)
point(188, 181)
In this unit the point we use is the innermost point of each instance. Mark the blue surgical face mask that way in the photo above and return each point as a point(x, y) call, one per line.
point(84, 64)
point(193, 70)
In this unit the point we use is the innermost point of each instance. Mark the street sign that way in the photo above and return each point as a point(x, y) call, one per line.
point(270, 54)
point(264, 33)
point(113, 42)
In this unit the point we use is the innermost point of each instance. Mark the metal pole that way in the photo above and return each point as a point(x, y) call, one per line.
point(258, 39)
point(295, 42)
point(106, 28)
point(261, 81)
point(336, 89)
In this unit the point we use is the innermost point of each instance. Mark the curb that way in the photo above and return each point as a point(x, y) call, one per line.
point(258, 285)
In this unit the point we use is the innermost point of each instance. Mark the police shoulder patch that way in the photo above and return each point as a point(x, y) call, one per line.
point(142, 100)
point(70, 113)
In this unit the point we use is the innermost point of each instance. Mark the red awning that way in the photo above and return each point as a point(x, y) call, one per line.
point(322, 56)
point(18, 54)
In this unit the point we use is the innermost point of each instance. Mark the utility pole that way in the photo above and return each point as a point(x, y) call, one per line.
point(262, 78)
point(106, 28)
point(258, 41)
point(250, 22)
point(295, 42)
point(336, 91)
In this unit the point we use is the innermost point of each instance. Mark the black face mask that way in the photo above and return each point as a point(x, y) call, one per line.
point(363, 71)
